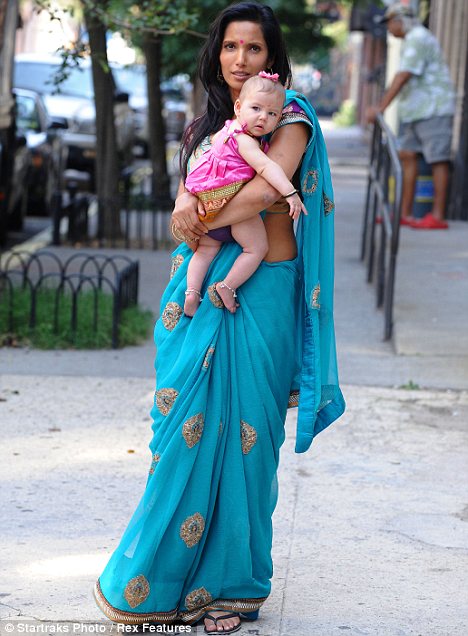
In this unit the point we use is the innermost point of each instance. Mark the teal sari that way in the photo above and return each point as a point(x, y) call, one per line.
point(201, 536)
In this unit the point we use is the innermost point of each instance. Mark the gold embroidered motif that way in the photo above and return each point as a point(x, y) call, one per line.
point(130, 618)
point(198, 597)
point(171, 315)
point(315, 297)
point(209, 355)
point(165, 399)
point(176, 262)
point(192, 529)
point(214, 296)
point(192, 429)
point(293, 399)
point(137, 591)
point(328, 205)
point(248, 437)
point(155, 459)
point(310, 181)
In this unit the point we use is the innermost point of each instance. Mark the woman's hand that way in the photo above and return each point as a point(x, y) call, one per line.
point(185, 218)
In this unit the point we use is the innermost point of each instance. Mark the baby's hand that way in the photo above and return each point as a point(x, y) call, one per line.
point(295, 206)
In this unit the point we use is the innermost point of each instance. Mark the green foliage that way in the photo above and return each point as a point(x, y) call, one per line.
point(410, 386)
point(187, 23)
point(134, 326)
point(302, 29)
point(346, 116)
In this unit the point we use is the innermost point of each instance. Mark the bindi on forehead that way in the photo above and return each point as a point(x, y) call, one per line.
point(241, 41)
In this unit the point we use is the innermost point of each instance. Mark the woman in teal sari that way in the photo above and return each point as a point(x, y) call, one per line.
point(199, 544)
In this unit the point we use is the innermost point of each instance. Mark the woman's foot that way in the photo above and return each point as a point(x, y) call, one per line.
point(228, 296)
point(192, 301)
point(222, 622)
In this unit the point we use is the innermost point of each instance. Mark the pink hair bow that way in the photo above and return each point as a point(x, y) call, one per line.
point(274, 77)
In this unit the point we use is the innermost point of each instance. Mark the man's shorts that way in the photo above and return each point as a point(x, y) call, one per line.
point(432, 137)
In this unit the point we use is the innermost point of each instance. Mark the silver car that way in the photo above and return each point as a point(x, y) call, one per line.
point(73, 106)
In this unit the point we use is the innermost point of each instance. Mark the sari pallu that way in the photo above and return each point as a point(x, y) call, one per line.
point(201, 536)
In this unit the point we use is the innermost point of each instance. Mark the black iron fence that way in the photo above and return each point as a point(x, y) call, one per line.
point(381, 224)
point(116, 275)
point(142, 220)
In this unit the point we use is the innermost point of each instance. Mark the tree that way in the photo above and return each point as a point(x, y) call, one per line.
point(145, 22)
point(107, 160)
point(301, 25)
point(156, 126)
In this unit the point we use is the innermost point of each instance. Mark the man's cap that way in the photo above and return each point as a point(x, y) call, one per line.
point(397, 10)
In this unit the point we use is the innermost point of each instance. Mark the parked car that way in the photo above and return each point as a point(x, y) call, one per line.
point(17, 192)
point(73, 106)
point(48, 151)
point(133, 80)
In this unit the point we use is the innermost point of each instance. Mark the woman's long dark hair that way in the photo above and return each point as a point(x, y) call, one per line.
point(220, 106)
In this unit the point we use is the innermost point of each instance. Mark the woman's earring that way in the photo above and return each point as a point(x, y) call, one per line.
point(220, 76)
point(270, 70)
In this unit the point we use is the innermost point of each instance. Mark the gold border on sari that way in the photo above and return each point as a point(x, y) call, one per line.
point(188, 616)
point(235, 605)
point(129, 618)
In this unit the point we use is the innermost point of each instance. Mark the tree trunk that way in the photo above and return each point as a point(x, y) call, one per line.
point(107, 161)
point(8, 23)
point(156, 127)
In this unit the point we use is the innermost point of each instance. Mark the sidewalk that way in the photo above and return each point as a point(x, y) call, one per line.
point(371, 529)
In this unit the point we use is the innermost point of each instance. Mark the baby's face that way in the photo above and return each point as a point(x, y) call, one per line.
point(260, 111)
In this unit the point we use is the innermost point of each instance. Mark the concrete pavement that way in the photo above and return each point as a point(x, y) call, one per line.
point(371, 529)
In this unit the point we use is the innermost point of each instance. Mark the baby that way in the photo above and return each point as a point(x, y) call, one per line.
point(237, 153)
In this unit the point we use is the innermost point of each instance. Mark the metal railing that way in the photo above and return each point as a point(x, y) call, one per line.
point(117, 275)
point(381, 223)
point(143, 219)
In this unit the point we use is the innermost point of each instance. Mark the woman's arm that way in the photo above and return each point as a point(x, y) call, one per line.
point(287, 147)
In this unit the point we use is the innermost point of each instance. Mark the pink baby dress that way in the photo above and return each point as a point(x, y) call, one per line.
point(220, 172)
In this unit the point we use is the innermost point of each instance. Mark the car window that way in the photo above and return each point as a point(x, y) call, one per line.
point(27, 115)
point(39, 77)
point(131, 80)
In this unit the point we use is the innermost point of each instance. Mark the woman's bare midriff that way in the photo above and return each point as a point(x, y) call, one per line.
point(281, 240)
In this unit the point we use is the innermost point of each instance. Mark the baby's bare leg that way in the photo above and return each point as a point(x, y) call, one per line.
point(252, 237)
point(196, 272)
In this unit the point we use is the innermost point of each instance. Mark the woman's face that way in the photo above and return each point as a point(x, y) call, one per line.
point(244, 53)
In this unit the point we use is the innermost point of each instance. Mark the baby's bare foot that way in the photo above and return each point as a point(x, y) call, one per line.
point(192, 301)
point(228, 296)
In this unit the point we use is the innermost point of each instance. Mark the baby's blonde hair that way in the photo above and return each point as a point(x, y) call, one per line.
point(257, 84)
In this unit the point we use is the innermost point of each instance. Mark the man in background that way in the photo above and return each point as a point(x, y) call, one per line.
point(426, 109)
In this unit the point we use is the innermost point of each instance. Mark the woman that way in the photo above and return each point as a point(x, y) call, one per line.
point(199, 543)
